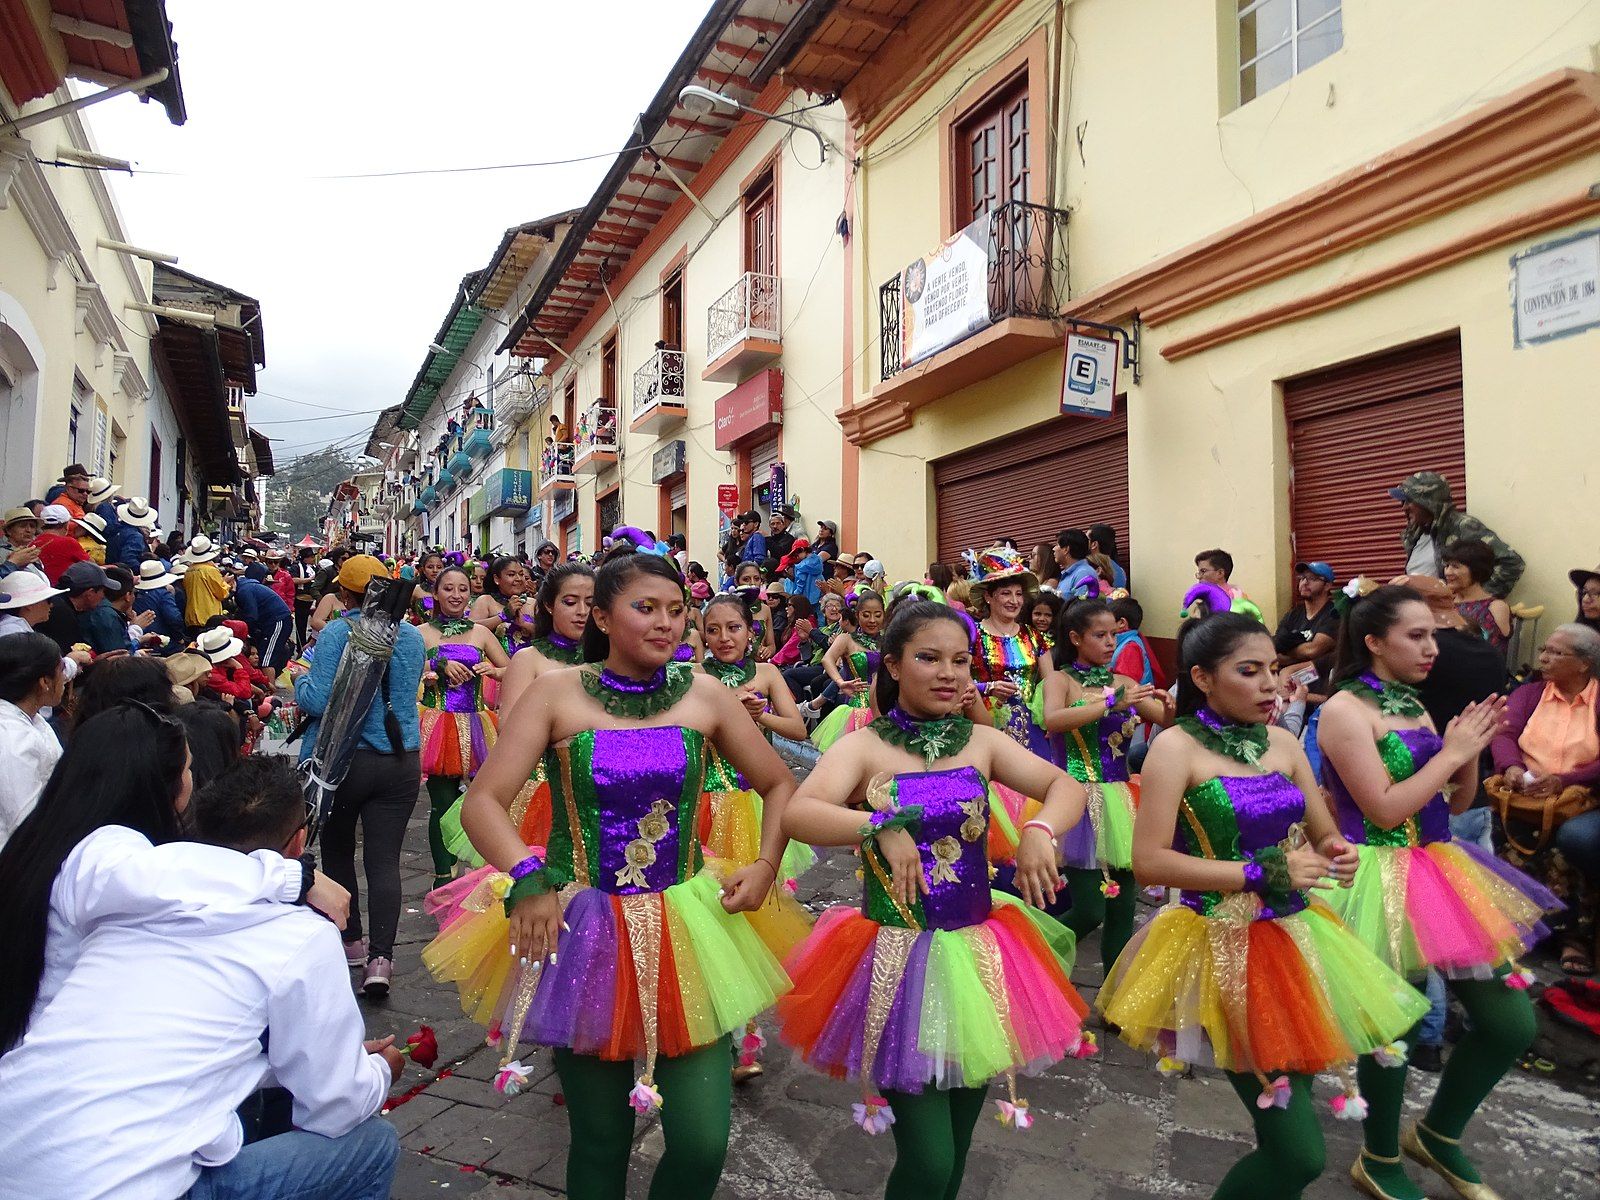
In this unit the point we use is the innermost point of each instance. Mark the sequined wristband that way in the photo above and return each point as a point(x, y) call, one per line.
point(529, 885)
point(1267, 871)
point(908, 818)
point(526, 867)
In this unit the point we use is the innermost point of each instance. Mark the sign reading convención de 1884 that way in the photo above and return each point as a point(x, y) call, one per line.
point(1555, 288)
point(944, 296)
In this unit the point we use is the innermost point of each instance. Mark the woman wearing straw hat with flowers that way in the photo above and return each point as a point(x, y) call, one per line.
point(1010, 659)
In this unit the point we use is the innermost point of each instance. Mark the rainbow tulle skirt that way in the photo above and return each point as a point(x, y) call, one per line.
point(843, 719)
point(1451, 906)
point(1104, 838)
point(674, 960)
point(946, 1007)
point(1298, 993)
point(730, 830)
point(530, 813)
point(455, 744)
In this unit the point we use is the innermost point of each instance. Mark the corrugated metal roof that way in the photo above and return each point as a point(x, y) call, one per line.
point(734, 37)
point(454, 335)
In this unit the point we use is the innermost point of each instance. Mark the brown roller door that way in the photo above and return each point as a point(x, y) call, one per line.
point(1070, 471)
point(1357, 430)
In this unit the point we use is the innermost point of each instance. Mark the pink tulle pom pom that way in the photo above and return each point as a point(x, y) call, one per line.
point(1521, 979)
point(494, 1036)
point(1110, 889)
point(791, 886)
point(1349, 1107)
point(510, 1079)
point(644, 1099)
point(1014, 1114)
point(1275, 1094)
point(1392, 1055)
point(873, 1115)
point(1085, 1047)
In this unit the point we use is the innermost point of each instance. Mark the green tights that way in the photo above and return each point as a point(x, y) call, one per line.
point(932, 1132)
point(697, 1095)
point(443, 791)
point(1502, 1026)
point(1090, 910)
point(1289, 1153)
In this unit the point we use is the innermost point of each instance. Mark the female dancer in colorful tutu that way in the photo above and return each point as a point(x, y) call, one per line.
point(1096, 714)
point(731, 816)
point(428, 568)
point(857, 654)
point(561, 611)
point(616, 945)
point(749, 580)
point(1010, 662)
point(1421, 899)
point(502, 606)
point(730, 810)
point(457, 727)
point(936, 985)
point(1245, 970)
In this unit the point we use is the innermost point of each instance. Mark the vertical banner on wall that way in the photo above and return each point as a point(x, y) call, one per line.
point(1089, 376)
point(778, 487)
point(944, 296)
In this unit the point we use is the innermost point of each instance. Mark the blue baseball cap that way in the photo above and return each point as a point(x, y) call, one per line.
point(1320, 569)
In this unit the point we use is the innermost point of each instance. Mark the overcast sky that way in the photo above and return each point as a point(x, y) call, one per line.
point(355, 276)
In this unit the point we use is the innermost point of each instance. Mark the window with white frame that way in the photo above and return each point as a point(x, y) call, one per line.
point(102, 439)
point(1280, 38)
point(82, 398)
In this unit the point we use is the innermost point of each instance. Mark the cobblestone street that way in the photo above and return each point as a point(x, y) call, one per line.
point(1109, 1128)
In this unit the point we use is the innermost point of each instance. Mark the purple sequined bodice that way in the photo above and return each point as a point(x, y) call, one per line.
point(953, 842)
point(1404, 752)
point(459, 697)
point(1229, 817)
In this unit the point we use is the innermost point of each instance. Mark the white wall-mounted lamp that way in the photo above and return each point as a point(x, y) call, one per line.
point(703, 99)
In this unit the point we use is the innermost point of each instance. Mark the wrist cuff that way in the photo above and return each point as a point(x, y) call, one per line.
point(908, 818)
point(1266, 872)
point(308, 875)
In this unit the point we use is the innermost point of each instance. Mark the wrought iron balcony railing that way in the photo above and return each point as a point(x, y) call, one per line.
point(752, 307)
point(1027, 272)
point(659, 379)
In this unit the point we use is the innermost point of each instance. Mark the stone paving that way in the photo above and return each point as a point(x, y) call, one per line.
point(1109, 1128)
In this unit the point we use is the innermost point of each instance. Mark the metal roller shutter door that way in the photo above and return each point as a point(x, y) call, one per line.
point(1070, 471)
point(679, 496)
point(762, 456)
point(1357, 430)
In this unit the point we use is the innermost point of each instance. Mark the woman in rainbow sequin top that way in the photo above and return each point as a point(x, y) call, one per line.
point(616, 945)
point(1245, 969)
point(936, 984)
point(1422, 899)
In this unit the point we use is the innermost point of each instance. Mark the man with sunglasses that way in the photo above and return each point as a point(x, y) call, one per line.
point(128, 1081)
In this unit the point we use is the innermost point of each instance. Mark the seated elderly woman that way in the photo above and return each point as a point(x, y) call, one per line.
point(1549, 754)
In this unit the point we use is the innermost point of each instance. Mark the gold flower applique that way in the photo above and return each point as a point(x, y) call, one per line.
point(974, 826)
point(880, 793)
point(641, 852)
point(946, 852)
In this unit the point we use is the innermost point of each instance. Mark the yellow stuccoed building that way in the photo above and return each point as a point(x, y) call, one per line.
point(1311, 215)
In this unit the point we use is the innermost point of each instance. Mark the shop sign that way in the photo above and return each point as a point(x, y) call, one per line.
point(728, 498)
point(1555, 289)
point(508, 491)
point(778, 487)
point(668, 461)
point(1089, 376)
point(944, 296)
point(563, 504)
point(752, 408)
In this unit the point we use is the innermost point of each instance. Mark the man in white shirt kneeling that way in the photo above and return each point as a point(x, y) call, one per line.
point(126, 1084)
